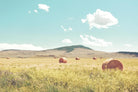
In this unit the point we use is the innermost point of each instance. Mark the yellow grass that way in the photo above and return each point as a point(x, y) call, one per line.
point(48, 75)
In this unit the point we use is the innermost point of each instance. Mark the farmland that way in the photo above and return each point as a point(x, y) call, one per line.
point(48, 75)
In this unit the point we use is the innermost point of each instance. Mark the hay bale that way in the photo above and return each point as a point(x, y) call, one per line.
point(104, 65)
point(7, 58)
point(62, 60)
point(77, 58)
point(94, 58)
point(112, 64)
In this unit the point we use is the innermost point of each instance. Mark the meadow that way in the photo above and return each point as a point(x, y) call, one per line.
point(48, 75)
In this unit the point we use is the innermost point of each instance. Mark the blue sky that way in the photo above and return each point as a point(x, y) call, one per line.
point(104, 25)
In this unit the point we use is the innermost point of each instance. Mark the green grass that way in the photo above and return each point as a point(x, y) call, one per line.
point(47, 75)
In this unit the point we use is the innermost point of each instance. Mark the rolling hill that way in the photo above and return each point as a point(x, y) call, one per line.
point(66, 51)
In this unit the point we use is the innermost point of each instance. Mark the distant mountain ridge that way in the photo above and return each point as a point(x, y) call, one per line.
point(66, 51)
point(11, 50)
point(130, 53)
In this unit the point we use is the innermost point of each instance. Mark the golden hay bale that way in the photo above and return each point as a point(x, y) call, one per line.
point(77, 58)
point(62, 60)
point(94, 58)
point(112, 64)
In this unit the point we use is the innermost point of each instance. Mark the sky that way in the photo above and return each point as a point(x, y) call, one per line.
point(103, 25)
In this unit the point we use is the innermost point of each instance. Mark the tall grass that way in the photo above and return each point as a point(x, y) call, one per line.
point(47, 75)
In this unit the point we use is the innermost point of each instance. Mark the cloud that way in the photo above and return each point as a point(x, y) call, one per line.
point(127, 45)
point(4, 46)
point(100, 19)
point(66, 41)
point(69, 29)
point(63, 28)
point(44, 7)
point(35, 11)
point(83, 20)
point(92, 41)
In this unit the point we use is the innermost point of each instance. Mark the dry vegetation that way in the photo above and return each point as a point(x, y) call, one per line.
point(48, 75)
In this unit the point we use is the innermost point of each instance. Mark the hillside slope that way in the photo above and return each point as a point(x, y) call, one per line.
point(66, 51)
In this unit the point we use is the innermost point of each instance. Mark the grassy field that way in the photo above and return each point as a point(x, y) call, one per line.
point(48, 75)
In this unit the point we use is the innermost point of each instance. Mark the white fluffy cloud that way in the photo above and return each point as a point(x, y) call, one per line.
point(92, 41)
point(69, 29)
point(35, 11)
point(100, 19)
point(4, 46)
point(83, 20)
point(43, 7)
point(66, 41)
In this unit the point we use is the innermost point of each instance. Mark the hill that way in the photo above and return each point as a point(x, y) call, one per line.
point(66, 51)
point(71, 48)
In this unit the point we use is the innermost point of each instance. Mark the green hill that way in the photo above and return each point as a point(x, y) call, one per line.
point(71, 48)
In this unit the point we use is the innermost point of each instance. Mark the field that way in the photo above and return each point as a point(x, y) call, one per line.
point(48, 75)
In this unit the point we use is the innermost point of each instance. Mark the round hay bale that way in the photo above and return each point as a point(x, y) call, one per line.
point(112, 64)
point(62, 60)
point(7, 58)
point(94, 58)
point(77, 58)
point(104, 65)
